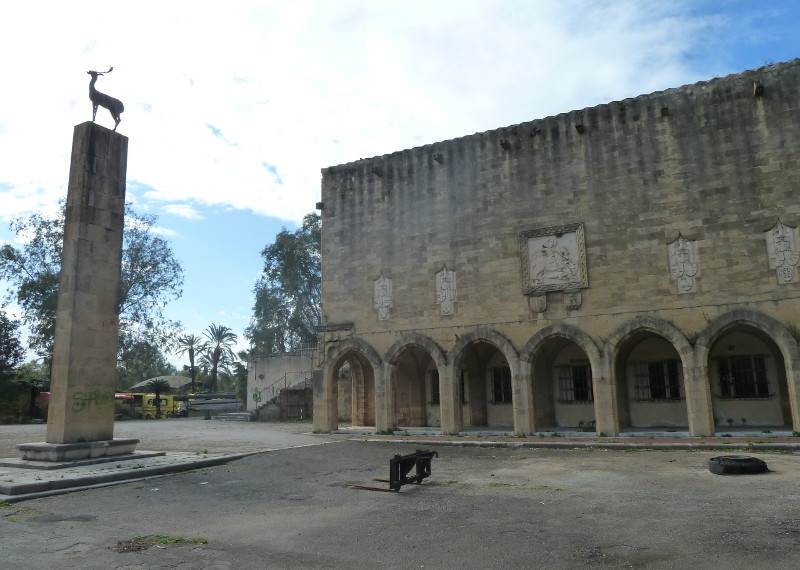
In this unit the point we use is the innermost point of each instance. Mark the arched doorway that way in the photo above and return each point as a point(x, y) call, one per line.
point(563, 391)
point(346, 393)
point(484, 384)
point(650, 382)
point(415, 383)
point(747, 376)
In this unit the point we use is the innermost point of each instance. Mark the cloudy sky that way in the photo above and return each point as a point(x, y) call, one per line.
point(232, 108)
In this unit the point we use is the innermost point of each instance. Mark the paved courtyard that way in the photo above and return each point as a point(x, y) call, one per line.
point(482, 508)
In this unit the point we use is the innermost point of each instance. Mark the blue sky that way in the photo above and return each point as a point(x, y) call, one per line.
point(233, 108)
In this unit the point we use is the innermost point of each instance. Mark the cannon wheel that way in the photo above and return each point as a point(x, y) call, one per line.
point(736, 465)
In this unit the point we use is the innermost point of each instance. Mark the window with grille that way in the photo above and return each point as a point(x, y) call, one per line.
point(501, 385)
point(434, 377)
point(659, 380)
point(575, 384)
point(743, 377)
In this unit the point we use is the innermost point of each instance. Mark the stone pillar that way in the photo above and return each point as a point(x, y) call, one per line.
point(522, 398)
point(83, 378)
point(450, 415)
point(605, 399)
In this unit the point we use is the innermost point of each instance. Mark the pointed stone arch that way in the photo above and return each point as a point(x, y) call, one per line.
point(769, 330)
point(538, 357)
point(368, 391)
point(480, 401)
point(657, 401)
point(415, 372)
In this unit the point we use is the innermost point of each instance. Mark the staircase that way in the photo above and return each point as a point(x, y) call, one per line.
point(235, 417)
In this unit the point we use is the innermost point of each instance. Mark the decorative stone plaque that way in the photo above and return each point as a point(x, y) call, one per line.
point(782, 252)
point(446, 290)
point(572, 300)
point(553, 259)
point(683, 264)
point(538, 303)
point(382, 297)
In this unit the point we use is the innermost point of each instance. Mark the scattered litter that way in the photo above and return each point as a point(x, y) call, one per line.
point(204, 482)
point(161, 547)
point(155, 489)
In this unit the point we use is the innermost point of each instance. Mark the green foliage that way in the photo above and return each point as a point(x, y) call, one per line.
point(158, 386)
point(287, 304)
point(11, 351)
point(164, 539)
point(151, 276)
point(220, 352)
point(192, 346)
point(139, 360)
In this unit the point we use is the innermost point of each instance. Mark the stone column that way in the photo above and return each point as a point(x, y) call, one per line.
point(83, 378)
point(450, 415)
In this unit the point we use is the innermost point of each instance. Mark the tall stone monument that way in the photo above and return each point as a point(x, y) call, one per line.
point(81, 416)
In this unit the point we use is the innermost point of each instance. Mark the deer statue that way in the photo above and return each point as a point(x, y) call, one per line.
point(114, 106)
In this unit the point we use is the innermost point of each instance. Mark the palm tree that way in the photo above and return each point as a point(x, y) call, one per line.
point(221, 339)
point(193, 346)
point(158, 386)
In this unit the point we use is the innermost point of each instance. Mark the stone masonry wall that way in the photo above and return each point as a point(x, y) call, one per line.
point(715, 162)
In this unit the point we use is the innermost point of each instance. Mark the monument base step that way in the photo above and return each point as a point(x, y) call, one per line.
point(43, 451)
point(17, 463)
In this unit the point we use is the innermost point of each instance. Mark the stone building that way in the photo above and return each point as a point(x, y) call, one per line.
point(629, 265)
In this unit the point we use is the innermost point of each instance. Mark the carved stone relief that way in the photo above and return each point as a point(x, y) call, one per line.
point(382, 297)
point(553, 259)
point(782, 252)
point(538, 303)
point(572, 300)
point(683, 267)
point(446, 291)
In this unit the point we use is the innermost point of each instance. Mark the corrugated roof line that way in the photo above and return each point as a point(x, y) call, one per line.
point(670, 91)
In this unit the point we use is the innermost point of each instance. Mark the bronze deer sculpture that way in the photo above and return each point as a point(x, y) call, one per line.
point(114, 106)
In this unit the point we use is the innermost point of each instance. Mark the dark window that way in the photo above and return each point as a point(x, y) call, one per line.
point(434, 387)
point(575, 383)
point(462, 386)
point(657, 380)
point(743, 377)
point(501, 385)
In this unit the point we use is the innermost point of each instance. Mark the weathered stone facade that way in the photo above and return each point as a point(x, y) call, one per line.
point(627, 265)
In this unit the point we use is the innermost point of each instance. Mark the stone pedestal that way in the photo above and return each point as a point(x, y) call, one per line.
point(84, 359)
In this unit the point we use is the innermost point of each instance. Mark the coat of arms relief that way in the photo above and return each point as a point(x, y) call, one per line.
point(782, 252)
point(554, 259)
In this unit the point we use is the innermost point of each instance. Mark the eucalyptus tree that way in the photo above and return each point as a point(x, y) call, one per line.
point(287, 295)
point(151, 277)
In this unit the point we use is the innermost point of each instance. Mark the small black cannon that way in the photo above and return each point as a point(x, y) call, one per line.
point(399, 468)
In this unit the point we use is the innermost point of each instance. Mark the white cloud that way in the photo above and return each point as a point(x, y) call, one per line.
point(244, 106)
point(182, 210)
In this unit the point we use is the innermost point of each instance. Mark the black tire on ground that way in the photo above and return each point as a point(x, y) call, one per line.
point(736, 465)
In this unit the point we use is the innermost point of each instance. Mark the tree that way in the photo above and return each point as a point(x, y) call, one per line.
point(287, 295)
point(139, 360)
point(191, 346)
point(158, 386)
point(13, 392)
point(151, 277)
point(220, 351)
point(11, 351)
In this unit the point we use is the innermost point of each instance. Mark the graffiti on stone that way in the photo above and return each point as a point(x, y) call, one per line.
point(84, 401)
